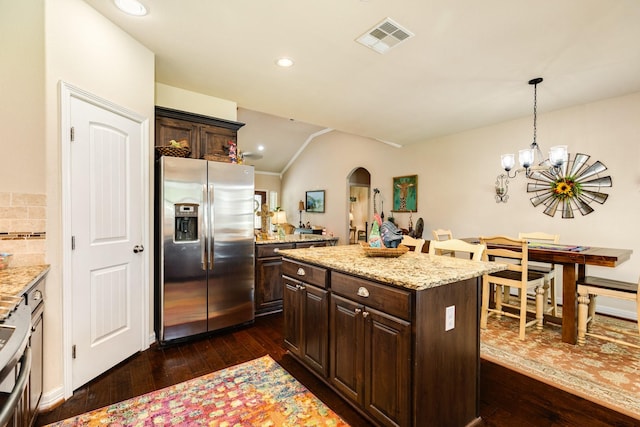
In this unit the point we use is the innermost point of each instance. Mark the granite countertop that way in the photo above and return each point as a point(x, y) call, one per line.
point(16, 280)
point(297, 238)
point(417, 271)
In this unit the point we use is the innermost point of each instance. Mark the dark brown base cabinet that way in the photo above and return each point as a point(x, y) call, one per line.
point(385, 348)
point(268, 274)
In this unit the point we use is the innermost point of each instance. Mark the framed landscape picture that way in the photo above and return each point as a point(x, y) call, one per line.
point(315, 201)
point(405, 193)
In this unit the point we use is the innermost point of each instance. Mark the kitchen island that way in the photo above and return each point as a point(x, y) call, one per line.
point(268, 267)
point(397, 338)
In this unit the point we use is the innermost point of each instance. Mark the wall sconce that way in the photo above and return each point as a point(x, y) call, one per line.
point(502, 188)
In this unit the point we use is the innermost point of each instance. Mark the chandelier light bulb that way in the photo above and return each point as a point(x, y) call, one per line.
point(525, 157)
point(508, 161)
point(558, 155)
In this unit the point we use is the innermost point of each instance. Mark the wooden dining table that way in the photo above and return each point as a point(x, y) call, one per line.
point(573, 259)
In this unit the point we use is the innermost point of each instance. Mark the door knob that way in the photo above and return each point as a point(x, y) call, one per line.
point(138, 248)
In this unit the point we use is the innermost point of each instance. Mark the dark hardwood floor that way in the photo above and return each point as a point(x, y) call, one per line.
point(507, 398)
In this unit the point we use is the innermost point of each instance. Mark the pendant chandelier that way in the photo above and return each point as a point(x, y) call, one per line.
point(531, 159)
point(558, 182)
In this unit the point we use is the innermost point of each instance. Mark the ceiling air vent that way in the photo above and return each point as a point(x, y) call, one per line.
point(384, 36)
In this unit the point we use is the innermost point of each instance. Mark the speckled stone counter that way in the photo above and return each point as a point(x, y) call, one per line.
point(297, 238)
point(412, 270)
point(16, 280)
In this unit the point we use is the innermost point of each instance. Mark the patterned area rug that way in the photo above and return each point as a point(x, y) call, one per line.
point(255, 393)
point(601, 371)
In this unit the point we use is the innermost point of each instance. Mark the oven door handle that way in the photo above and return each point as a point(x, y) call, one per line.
point(18, 390)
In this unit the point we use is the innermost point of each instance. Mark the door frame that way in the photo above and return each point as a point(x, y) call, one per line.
point(67, 92)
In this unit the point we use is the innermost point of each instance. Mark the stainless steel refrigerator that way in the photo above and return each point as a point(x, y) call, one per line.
point(204, 247)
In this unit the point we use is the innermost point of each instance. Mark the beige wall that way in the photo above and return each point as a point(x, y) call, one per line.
point(269, 182)
point(192, 102)
point(87, 51)
point(326, 164)
point(456, 176)
point(22, 101)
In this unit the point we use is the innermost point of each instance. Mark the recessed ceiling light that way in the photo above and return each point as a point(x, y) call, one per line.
point(284, 62)
point(260, 147)
point(131, 7)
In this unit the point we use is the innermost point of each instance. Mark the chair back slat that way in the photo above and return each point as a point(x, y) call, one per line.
point(539, 237)
point(455, 245)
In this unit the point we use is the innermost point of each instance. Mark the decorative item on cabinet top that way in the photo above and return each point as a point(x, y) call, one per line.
point(175, 148)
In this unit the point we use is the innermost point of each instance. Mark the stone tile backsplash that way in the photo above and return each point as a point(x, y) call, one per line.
point(23, 221)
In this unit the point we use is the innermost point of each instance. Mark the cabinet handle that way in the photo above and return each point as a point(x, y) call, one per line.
point(276, 250)
point(363, 292)
point(365, 314)
point(357, 310)
point(37, 295)
point(302, 287)
point(301, 272)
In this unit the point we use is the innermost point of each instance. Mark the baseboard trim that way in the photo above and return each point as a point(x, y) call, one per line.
point(51, 399)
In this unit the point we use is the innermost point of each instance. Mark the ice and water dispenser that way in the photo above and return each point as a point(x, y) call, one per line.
point(186, 229)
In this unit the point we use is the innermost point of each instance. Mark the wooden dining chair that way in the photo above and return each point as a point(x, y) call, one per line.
point(412, 242)
point(588, 289)
point(515, 253)
point(549, 270)
point(455, 245)
point(441, 234)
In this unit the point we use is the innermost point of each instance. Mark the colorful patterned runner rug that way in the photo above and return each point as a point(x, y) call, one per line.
point(255, 393)
point(603, 372)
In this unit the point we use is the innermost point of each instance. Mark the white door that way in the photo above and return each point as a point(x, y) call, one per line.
point(106, 189)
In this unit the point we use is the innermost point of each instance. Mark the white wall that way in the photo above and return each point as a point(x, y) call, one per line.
point(85, 50)
point(457, 173)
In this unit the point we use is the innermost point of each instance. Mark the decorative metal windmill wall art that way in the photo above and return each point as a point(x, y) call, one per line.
point(573, 185)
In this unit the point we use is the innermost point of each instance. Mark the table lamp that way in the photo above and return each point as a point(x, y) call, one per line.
point(279, 218)
point(300, 209)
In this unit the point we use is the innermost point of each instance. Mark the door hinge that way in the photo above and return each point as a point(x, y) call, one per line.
point(73, 351)
point(73, 133)
point(73, 242)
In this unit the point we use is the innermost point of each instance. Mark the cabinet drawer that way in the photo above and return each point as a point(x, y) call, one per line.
point(384, 298)
point(310, 245)
point(305, 272)
point(271, 250)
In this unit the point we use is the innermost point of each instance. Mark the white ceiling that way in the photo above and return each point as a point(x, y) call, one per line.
point(467, 65)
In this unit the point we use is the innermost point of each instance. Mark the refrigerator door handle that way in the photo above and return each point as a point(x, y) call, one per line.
point(205, 228)
point(210, 204)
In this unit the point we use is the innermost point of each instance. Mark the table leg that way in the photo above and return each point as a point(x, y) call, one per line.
point(569, 304)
